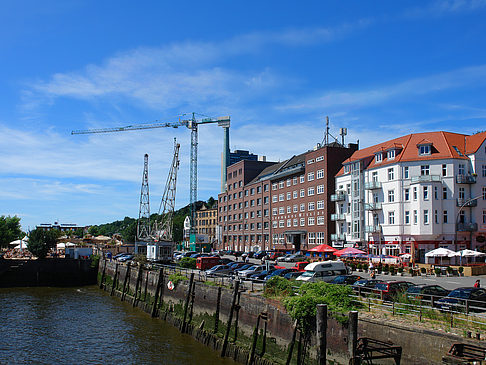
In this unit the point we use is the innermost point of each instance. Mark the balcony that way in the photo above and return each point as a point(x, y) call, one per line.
point(467, 227)
point(338, 197)
point(373, 229)
point(372, 185)
point(466, 202)
point(425, 178)
point(465, 179)
point(338, 237)
point(372, 206)
point(338, 217)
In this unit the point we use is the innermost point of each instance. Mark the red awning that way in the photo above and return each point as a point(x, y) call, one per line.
point(322, 248)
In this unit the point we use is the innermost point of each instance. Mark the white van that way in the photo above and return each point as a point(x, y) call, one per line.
point(323, 271)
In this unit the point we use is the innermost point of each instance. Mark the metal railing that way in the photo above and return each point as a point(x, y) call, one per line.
point(467, 227)
point(425, 178)
point(372, 185)
point(372, 206)
point(338, 197)
point(338, 217)
point(466, 202)
point(465, 179)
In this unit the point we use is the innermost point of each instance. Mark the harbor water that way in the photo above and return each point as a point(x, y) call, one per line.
point(87, 326)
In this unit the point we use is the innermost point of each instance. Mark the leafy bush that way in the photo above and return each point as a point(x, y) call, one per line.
point(95, 259)
point(423, 270)
point(188, 263)
point(400, 270)
point(449, 270)
point(303, 305)
point(176, 278)
point(359, 267)
point(437, 271)
point(365, 267)
point(278, 286)
point(461, 269)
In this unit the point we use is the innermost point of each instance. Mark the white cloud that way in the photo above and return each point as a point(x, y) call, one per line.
point(445, 7)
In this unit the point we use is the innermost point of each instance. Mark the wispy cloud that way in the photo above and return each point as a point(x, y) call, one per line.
point(445, 7)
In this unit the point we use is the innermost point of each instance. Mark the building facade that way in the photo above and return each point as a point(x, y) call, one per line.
point(206, 222)
point(281, 206)
point(413, 194)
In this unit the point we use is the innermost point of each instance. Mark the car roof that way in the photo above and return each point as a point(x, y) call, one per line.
point(313, 265)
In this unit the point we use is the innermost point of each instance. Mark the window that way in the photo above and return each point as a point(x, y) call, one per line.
point(265, 212)
point(407, 217)
point(391, 175)
point(426, 193)
point(289, 182)
point(259, 189)
point(302, 207)
point(252, 203)
point(436, 192)
point(406, 195)
point(391, 196)
point(484, 192)
point(484, 216)
point(302, 193)
point(321, 221)
point(320, 189)
point(310, 176)
point(444, 192)
point(391, 155)
point(311, 221)
point(289, 195)
point(436, 217)
point(296, 222)
point(281, 210)
point(444, 216)
point(281, 184)
point(415, 217)
point(274, 224)
point(391, 217)
point(289, 209)
point(320, 174)
point(312, 238)
point(281, 197)
point(405, 172)
point(265, 187)
point(374, 176)
point(346, 169)
point(274, 198)
point(425, 170)
point(302, 222)
point(295, 194)
point(281, 223)
point(274, 186)
point(378, 157)
point(289, 222)
point(296, 208)
point(252, 214)
point(302, 178)
point(311, 206)
point(320, 158)
point(252, 191)
point(414, 193)
point(462, 193)
point(483, 169)
point(424, 150)
point(320, 204)
point(259, 201)
point(294, 180)
point(426, 216)
point(444, 170)
point(462, 169)
point(311, 191)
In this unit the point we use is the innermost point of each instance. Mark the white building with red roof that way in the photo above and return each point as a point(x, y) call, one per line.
point(413, 194)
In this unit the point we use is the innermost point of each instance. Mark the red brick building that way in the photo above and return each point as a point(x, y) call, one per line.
point(281, 206)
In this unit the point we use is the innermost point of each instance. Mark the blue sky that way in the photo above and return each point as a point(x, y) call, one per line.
point(380, 68)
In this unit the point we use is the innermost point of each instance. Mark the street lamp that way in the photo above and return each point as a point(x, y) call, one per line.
point(459, 213)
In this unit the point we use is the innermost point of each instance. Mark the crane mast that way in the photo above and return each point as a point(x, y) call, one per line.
point(143, 223)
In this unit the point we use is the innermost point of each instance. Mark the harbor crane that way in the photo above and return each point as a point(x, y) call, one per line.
point(192, 124)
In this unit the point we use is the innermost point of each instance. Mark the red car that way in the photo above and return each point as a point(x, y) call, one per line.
point(275, 255)
point(390, 289)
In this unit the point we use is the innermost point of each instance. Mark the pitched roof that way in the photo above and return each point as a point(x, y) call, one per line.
point(444, 145)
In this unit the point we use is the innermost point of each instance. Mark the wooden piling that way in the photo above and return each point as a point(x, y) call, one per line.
point(146, 285)
point(321, 334)
point(230, 318)
point(193, 295)
point(251, 358)
point(103, 275)
point(216, 315)
point(115, 278)
point(352, 336)
point(291, 345)
point(157, 289)
point(186, 304)
point(237, 316)
point(127, 275)
point(136, 297)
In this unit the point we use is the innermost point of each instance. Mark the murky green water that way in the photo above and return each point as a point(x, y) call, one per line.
point(86, 326)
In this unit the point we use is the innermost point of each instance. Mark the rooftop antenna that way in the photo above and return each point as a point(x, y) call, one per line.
point(343, 132)
point(326, 137)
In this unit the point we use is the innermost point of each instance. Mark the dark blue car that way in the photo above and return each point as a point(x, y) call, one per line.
point(460, 298)
point(279, 272)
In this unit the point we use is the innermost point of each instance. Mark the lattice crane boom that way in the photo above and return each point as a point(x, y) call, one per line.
point(143, 224)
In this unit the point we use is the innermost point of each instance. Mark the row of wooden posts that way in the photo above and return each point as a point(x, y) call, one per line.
point(321, 317)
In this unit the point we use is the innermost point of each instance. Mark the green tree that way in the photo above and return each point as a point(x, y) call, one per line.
point(41, 241)
point(211, 202)
point(10, 230)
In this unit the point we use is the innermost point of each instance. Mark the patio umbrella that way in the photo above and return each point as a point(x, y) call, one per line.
point(347, 250)
point(323, 248)
point(441, 252)
point(469, 253)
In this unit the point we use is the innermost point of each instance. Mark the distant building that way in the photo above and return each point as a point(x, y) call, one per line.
point(60, 227)
point(206, 222)
point(237, 156)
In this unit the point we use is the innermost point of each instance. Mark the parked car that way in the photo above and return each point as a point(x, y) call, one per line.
point(241, 268)
point(125, 258)
point(236, 265)
point(458, 299)
point(426, 292)
point(254, 269)
point(388, 290)
point(345, 279)
point(365, 285)
point(279, 272)
point(293, 275)
point(300, 266)
point(294, 258)
point(323, 271)
point(275, 255)
point(219, 270)
point(225, 261)
point(260, 254)
point(261, 275)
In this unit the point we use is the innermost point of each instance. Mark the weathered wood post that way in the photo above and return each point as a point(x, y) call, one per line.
point(353, 336)
point(237, 316)
point(321, 334)
point(186, 304)
point(113, 287)
point(291, 345)
point(137, 286)
point(103, 275)
point(193, 295)
point(251, 358)
point(146, 284)
point(230, 318)
point(127, 275)
point(216, 315)
point(157, 289)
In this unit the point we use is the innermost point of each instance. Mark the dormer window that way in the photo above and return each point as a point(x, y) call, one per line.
point(346, 169)
point(378, 157)
point(425, 149)
point(391, 154)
